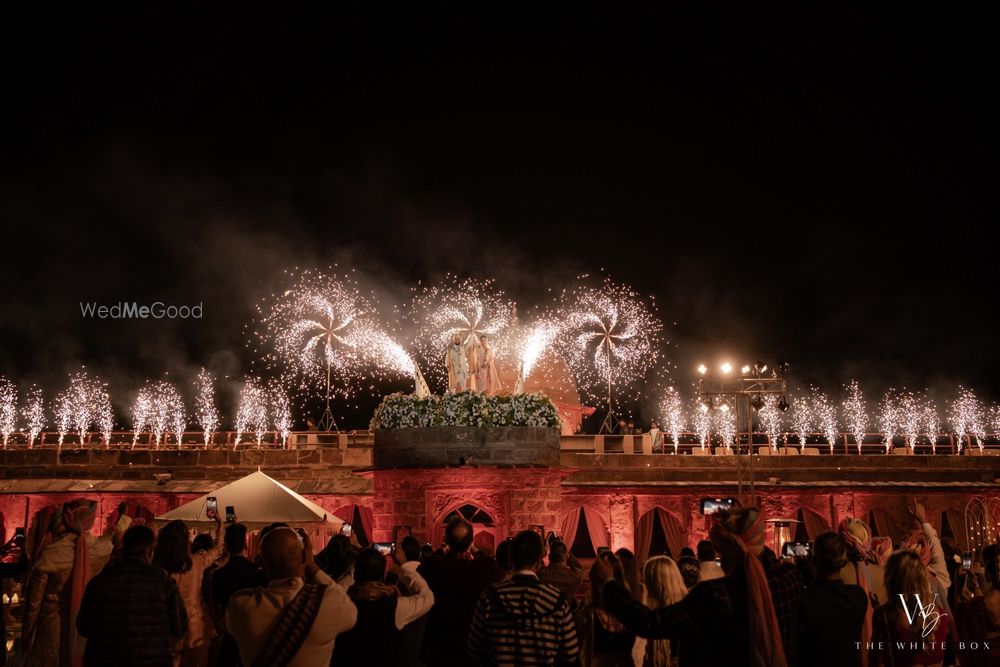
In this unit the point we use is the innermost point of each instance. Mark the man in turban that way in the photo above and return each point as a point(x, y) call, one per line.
point(746, 618)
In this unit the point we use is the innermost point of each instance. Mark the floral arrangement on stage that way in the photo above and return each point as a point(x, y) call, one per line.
point(467, 408)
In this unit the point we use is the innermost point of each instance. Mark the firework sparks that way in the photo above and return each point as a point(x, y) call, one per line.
point(281, 412)
point(802, 419)
point(826, 416)
point(531, 344)
point(966, 418)
point(724, 419)
point(310, 332)
point(159, 409)
point(8, 409)
point(466, 308)
point(673, 416)
point(702, 422)
point(856, 413)
point(770, 419)
point(83, 403)
point(205, 413)
point(34, 414)
point(932, 423)
point(889, 418)
point(911, 416)
point(251, 415)
point(610, 337)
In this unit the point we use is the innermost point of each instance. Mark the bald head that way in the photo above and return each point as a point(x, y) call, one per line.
point(282, 554)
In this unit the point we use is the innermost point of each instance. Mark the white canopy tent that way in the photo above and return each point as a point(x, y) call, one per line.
point(258, 501)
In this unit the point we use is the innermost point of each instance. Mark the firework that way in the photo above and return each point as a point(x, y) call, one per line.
point(967, 418)
point(673, 416)
point(994, 419)
point(385, 352)
point(910, 414)
point(610, 337)
point(281, 412)
point(532, 342)
point(159, 409)
point(826, 416)
point(702, 422)
point(770, 419)
point(802, 419)
point(856, 413)
point(83, 403)
point(466, 308)
point(932, 423)
point(251, 415)
point(205, 413)
point(34, 414)
point(724, 419)
point(8, 409)
point(888, 418)
point(310, 333)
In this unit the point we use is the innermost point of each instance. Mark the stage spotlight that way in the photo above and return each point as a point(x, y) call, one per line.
point(745, 370)
point(703, 369)
point(726, 368)
point(760, 367)
point(781, 369)
point(783, 404)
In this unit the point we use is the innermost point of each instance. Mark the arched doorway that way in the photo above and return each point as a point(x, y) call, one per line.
point(585, 532)
point(486, 533)
point(659, 532)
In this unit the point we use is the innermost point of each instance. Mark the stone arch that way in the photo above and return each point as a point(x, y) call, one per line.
point(487, 518)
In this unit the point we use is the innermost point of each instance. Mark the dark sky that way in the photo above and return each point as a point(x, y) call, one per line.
point(819, 193)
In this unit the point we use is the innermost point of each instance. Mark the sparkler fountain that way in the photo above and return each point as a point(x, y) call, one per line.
point(205, 413)
point(673, 416)
point(34, 414)
point(83, 403)
point(702, 422)
point(802, 420)
point(856, 413)
point(609, 336)
point(770, 419)
point(251, 415)
point(889, 418)
point(8, 409)
point(967, 418)
point(158, 408)
point(826, 416)
point(281, 412)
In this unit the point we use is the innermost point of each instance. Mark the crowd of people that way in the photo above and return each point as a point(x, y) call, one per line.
point(139, 598)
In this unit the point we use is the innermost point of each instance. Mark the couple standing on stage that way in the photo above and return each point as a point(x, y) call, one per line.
point(471, 365)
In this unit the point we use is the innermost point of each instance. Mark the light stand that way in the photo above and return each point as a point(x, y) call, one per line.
point(607, 426)
point(327, 422)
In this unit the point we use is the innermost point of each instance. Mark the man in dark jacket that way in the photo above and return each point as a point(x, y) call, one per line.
point(378, 637)
point(228, 579)
point(457, 579)
point(563, 571)
point(521, 621)
point(832, 612)
point(132, 612)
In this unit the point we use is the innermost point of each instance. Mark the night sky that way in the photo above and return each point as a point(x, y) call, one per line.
point(820, 195)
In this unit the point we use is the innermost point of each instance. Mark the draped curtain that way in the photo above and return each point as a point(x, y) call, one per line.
point(956, 519)
point(672, 529)
point(814, 523)
point(364, 516)
point(885, 526)
point(596, 527)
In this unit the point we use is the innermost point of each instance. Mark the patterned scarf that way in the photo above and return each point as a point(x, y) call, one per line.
point(740, 536)
point(292, 627)
point(78, 519)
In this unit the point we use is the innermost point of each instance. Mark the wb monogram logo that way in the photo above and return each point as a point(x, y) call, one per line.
point(927, 612)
